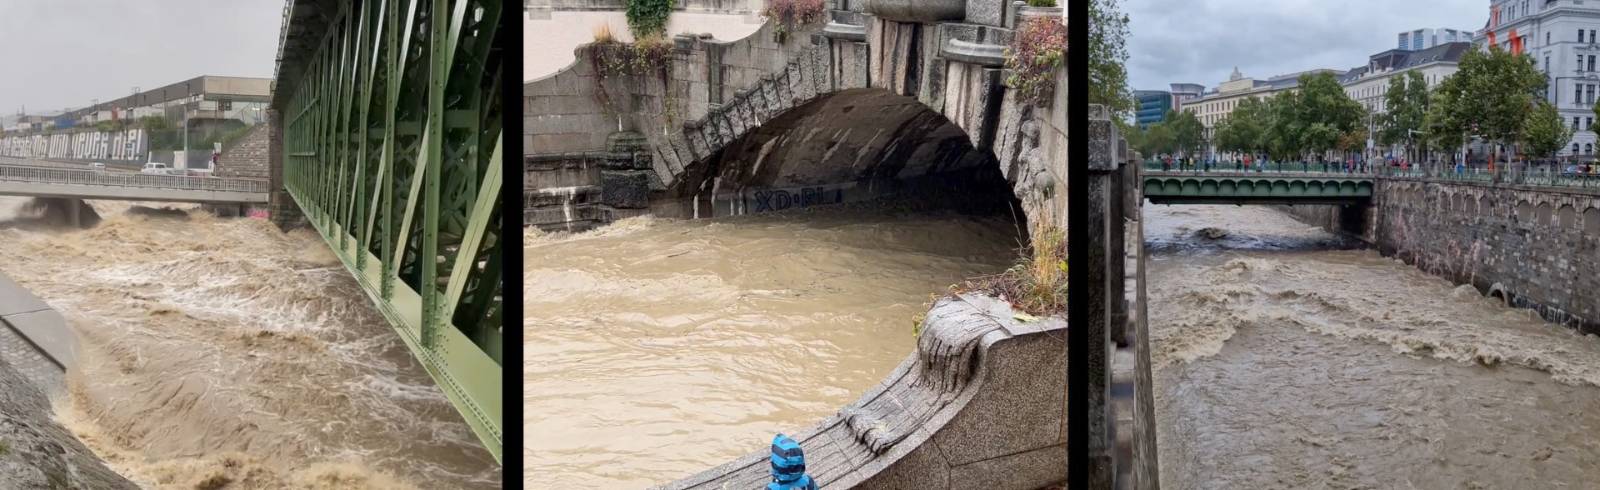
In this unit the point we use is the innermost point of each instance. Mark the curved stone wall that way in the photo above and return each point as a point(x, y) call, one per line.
point(979, 405)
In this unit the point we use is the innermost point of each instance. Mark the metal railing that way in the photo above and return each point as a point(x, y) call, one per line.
point(1257, 168)
point(47, 175)
point(1514, 174)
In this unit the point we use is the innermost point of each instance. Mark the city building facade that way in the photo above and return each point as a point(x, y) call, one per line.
point(1153, 107)
point(200, 100)
point(1560, 36)
point(1369, 84)
point(1182, 93)
point(1216, 105)
point(1420, 39)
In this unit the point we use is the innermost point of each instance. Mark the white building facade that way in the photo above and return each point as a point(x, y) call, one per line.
point(1369, 85)
point(1216, 105)
point(1560, 35)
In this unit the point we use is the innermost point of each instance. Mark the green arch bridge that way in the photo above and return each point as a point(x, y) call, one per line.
point(1267, 187)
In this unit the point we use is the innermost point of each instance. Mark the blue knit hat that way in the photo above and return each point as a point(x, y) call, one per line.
point(788, 461)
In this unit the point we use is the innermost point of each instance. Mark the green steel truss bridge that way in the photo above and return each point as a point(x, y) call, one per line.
point(387, 136)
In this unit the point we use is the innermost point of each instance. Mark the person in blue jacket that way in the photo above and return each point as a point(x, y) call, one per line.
point(789, 466)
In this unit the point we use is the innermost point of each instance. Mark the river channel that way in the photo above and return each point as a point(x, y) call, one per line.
point(659, 348)
point(222, 352)
point(1287, 357)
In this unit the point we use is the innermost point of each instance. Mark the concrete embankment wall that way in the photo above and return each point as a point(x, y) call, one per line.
point(36, 348)
point(1535, 247)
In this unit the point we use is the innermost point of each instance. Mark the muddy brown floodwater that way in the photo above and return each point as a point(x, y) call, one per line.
point(222, 351)
point(659, 348)
point(1286, 360)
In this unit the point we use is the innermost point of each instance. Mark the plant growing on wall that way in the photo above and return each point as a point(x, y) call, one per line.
point(615, 59)
point(790, 14)
point(1037, 283)
point(611, 59)
point(648, 18)
point(1037, 51)
point(1041, 3)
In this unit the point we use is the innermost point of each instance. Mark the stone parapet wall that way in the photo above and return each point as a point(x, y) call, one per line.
point(979, 405)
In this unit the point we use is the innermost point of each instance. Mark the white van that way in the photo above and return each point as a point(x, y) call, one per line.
point(98, 167)
point(155, 168)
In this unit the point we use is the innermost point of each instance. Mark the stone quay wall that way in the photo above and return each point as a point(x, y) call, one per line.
point(1533, 247)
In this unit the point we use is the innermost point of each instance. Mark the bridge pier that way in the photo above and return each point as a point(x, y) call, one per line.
point(66, 211)
point(281, 208)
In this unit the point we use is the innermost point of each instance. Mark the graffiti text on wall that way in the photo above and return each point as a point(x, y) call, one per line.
point(778, 200)
point(128, 145)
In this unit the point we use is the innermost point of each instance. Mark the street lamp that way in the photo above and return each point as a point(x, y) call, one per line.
point(186, 94)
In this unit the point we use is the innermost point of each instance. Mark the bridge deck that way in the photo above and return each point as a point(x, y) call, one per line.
point(43, 181)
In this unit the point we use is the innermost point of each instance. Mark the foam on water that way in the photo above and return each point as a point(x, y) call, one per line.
point(1305, 367)
point(222, 350)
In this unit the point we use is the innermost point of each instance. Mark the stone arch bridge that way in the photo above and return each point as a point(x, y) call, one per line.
point(880, 97)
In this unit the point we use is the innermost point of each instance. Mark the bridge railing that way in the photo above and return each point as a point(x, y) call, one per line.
point(47, 175)
point(1258, 167)
point(1514, 174)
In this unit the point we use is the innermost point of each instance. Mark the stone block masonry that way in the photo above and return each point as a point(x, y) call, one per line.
point(247, 157)
point(1533, 247)
point(871, 102)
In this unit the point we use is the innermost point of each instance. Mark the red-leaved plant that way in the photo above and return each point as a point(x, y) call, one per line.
point(1039, 48)
point(790, 13)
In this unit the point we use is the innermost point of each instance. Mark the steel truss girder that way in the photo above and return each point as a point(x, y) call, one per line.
point(392, 146)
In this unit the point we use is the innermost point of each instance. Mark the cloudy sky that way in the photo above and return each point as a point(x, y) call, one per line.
point(60, 53)
point(1200, 41)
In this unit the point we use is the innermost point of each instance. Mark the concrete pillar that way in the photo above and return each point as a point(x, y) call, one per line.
point(1090, 346)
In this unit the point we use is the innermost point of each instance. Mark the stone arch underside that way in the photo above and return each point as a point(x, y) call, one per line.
point(850, 145)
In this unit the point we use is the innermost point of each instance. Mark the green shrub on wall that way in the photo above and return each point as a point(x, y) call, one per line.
point(1041, 3)
point(648, 18)
point(648, 56)
point(1039, 49)
point(614, 59)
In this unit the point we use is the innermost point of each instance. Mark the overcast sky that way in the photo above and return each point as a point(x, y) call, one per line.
point(1200, 41)
point(60, 53)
